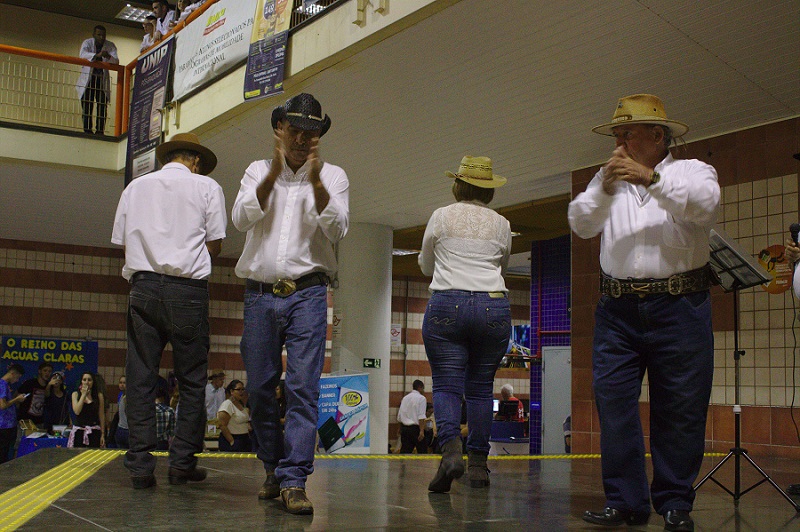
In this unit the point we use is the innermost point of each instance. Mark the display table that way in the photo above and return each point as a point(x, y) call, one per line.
point(508, 437)
point(28, 445)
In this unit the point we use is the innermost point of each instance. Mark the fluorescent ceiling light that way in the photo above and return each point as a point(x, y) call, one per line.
point(134, 14)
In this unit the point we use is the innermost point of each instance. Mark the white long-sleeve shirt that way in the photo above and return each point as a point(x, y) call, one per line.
point(88, 51)
point(651, 232)
point(164, 220)
point(466, 247)
point(289, 238)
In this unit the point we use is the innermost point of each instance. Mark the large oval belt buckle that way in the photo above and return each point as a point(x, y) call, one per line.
point(284, 288)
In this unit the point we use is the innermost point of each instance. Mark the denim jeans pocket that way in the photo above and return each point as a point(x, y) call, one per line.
point(251, 298)
point(137, 307)
point(498, 317)
point(189, 318)
point(441, 315)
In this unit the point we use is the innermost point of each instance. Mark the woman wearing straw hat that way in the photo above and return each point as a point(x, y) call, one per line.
point(467, 323)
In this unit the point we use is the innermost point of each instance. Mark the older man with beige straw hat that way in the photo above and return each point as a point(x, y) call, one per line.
point(654, 213)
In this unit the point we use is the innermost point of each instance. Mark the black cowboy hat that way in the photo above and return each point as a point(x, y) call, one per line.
point(303, 112)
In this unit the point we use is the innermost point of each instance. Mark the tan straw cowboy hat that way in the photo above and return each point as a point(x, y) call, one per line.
point(641, 109)
point(188, 141)
point(478, 171)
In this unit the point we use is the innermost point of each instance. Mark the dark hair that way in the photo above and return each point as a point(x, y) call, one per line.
point(418, 384)
point(17, 368)
point(181, 154)
point(45, 365)
point(94, 392)
point(162, 2)
point(162, 390)
point(99, 27)
point(464, 191)
point(231, 385)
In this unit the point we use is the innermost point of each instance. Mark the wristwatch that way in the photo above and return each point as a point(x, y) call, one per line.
point(655, 177)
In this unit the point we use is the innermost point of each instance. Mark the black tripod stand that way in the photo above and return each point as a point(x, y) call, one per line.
point(737, 271)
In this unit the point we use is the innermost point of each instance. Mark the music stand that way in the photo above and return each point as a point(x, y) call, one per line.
point(737, 270)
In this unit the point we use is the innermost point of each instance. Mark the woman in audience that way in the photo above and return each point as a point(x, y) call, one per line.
point(233, 419)
point(88, 404)
point(56, 403)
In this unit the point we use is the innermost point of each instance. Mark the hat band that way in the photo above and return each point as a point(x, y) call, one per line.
point(480, 167)
point(629, 118)
point(301, 115)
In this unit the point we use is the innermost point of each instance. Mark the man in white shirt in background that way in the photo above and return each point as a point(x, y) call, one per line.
point(171, 223)
point(215, 393)
point(94, 84)
point(411, 416)
point(164, 17)
point(654, 213)
point(294, 208)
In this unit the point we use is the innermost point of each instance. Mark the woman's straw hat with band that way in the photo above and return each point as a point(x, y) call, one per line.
point(642, 109)
point(478, 171)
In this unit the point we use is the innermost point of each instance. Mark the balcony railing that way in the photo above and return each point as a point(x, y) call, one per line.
point(37, 89)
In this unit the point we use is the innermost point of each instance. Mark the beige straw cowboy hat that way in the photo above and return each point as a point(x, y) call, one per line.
point(478, 171)
point(641, 109)
point(188, 141)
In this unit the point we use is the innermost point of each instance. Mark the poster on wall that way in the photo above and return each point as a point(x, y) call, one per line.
point(267, 56)
point(343, 424)
point(213, 44)
point(773, 260)
point(147, 101)
point(72, 357)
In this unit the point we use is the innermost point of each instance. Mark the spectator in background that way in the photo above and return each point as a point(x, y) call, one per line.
point(33, 406)
point(429, 438)
point(88, 403)
point(411, 416)
point(8, 410)
point(185, 7)
point(507, 393)
point(215, 393)
point(94, 84)
point(149, 38)
point(122, 385)
point(233, 419)
point(56, 402)
point(164, 17)
point(122, 434)
point(165, 417)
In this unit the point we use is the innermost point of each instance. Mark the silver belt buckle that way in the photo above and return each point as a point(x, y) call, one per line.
point(675, 285)
point(284, 288)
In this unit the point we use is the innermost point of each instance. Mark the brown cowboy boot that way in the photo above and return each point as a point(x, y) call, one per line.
point(451, 467)
point(477, 471)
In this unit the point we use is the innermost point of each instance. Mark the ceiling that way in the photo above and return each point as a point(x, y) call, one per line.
point(104, 11)
point(522, 82)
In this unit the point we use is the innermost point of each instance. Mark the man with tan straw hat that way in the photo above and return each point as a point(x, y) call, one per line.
point(467, 323)
point(294, 208)
point(654, 213)
point(171, 223)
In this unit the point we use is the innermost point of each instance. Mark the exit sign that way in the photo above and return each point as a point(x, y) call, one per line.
point(372, 362)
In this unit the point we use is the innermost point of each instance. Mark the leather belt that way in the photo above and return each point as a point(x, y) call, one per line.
point(678, 284)
point(153, 276)
point(287, 287)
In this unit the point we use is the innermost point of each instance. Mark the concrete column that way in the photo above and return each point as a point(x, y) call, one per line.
point(362, 308)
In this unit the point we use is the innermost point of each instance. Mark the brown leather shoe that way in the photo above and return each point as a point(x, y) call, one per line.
point(296, 502)
point(270, 489)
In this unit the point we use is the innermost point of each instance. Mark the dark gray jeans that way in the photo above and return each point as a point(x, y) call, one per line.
point(165, 309)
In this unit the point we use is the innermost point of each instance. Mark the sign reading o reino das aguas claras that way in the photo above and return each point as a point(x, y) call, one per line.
point(71, 356)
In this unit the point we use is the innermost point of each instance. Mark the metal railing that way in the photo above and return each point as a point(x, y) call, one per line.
point(38, 89)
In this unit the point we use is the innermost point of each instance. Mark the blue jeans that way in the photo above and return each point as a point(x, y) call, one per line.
point(466, 335)
point(161, 311)
point(299, 322)
point(669, 337)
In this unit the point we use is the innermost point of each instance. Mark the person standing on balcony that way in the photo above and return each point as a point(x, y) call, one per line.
point(654, 214)
point(94, 84)
point(171, 224)
point(149, 38)
point(294, 208)
point(164, 18)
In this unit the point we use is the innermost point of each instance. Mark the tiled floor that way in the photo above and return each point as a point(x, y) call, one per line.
point(381, 493)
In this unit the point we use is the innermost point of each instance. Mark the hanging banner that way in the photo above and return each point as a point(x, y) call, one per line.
point(343, 424)
point(267, 57)
point(212, 45)
point(147, 101)
point(72, 357)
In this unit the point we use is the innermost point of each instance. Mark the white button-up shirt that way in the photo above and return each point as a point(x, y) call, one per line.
point(412, 408)
point(162, 25)
point(164, 220)
point(289, 238)
point(466, 247)
point(651, 232)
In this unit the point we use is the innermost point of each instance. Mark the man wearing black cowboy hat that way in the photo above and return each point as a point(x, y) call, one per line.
point(654, 315)
point(171, 223)
point(294, 208)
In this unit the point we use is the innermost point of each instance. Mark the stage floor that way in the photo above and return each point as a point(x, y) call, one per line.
point(66, 489)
